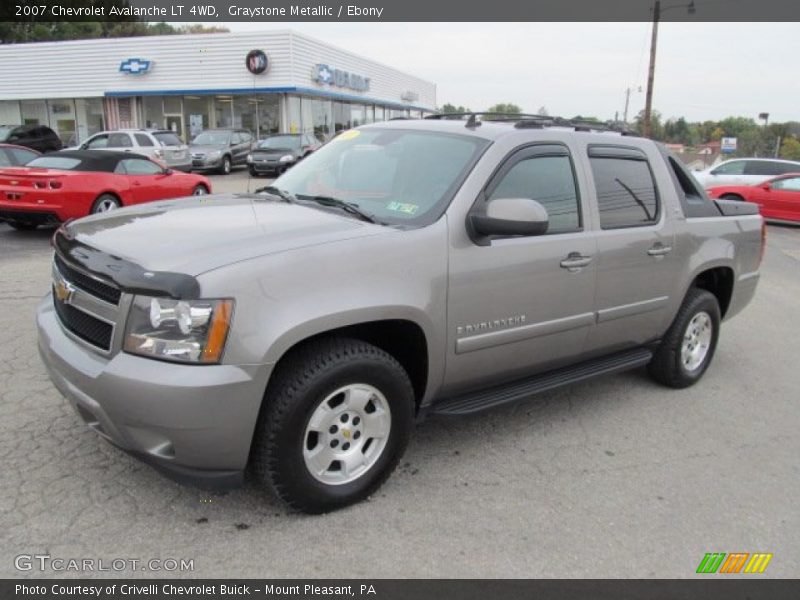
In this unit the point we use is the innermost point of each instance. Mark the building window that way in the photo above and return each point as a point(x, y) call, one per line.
point(380, 114)
point(223, 111)
point(34, 112)
point(358, 114)
point(196, 115)
point(268, 114)
point(318, 118)
point(153, 112)
point(341, 116)
point(244, 113)
point(89, 112)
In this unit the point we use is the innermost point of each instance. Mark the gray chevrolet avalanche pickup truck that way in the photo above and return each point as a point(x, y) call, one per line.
point(406, 268)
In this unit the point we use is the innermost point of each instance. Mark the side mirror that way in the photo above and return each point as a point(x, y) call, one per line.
point(766, 186)
point(168, 171)
point(510, 216)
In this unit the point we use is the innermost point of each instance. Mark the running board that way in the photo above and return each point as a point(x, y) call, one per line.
point(522, 389)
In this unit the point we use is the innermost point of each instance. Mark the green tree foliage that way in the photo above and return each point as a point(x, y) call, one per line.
point(505, 107)
point(790, 148)
point(452, 108)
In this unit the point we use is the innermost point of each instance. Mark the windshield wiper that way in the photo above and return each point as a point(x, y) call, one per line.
point(282, 194)
point(349, 207)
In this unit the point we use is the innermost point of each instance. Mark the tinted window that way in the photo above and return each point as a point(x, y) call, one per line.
point(245, 136)
point(137, 166)
point(55, 162)
point(5, 158)
point(686, 182)
point(790, 184)
point(166, 138)
point(784, 168)
point(548, 180)
point(280, 142)
point(143, 139)
point(212, 138)
point(626, 194)
point(21, 156)
point(735, 167)
point(236, 138)
point(119, 140)
point(99, 141)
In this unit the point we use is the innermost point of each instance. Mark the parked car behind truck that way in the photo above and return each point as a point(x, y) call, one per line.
point(405, 268)
point(162, 145)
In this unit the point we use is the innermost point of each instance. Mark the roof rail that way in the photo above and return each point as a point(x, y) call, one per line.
point(533, 121)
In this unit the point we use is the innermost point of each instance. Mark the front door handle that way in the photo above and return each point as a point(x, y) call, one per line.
point(575, 261)
point(659, 249)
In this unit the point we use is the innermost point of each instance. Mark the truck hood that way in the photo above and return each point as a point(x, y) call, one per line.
point(198, 234)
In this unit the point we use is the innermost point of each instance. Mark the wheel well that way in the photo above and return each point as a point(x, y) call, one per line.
point(718, 281)
point(404, 340)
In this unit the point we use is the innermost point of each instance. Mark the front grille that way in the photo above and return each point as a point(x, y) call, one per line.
point(83, 325)
point(97, 288)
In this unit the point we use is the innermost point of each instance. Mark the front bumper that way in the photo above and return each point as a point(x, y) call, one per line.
point(193, 423)
point(205, 163)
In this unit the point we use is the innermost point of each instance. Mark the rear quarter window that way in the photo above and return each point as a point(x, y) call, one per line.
point(55, 162)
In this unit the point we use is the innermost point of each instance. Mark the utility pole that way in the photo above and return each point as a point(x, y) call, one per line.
point(627, 102)
point(648, 105)
point(651, 72)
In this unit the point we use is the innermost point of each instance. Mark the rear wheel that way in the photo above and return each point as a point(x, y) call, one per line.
point(199, 190)
point(335, 423)
point(22, 226)
point(688, 346)
point(105, 203)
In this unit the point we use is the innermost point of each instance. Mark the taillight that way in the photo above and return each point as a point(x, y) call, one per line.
point(763, 241)
point(55, 185)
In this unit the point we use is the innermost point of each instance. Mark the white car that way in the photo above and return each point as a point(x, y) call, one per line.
point(745, 171)
point(160, 144)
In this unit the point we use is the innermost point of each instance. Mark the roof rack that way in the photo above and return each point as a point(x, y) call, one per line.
point(532, 121)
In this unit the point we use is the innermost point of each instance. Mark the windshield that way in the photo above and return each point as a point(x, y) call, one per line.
point(280, 142)
point(166, 138)
point(397, 176)
point(62, 163)
point(212, 138)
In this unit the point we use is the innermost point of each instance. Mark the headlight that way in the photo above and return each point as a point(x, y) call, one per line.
point(286, 158)
point(214, 154)
point(249, 158)
point(191, 331)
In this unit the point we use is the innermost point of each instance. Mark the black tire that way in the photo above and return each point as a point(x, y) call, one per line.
point(225, 165)
point(736, 197)
point(199, 190)
point(103, 202)
point(667, 366)
point(19, 226)
point(253, 172)
point(304, 381)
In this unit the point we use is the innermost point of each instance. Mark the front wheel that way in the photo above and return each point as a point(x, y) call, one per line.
point(688, 346)
point(335, 423)
point(225, 167)
point(199, 190)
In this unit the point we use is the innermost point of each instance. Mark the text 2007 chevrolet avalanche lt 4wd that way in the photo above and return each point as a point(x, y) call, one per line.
point(405, 268)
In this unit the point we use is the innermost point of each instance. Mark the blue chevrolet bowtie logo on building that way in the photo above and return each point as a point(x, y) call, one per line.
point(323, 74)
point(135, 66)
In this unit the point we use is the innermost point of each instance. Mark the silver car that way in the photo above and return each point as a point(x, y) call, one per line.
point(160, 144)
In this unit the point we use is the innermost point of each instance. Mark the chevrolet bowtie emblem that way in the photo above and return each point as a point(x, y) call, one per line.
point(63, 291)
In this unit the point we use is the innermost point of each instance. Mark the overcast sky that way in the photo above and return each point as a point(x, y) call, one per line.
point(703, 70)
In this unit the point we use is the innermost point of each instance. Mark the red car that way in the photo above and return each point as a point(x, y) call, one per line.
point(71, 184)
point(778, 197)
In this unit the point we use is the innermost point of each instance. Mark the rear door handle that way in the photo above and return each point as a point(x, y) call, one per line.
point(659, 249)
point(575, 261)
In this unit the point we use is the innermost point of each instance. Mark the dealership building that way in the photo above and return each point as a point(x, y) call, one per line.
point(267, 82)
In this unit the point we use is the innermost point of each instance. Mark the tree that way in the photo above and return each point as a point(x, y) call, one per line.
point(656, 127)
point(506, 108)
point(790, 148)
point(452, 108)
point(543, 111)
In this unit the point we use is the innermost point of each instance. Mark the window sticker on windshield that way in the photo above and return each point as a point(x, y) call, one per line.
point(409, 209)
point(348, 135)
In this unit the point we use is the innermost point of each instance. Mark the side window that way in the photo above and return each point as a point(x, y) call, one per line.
point(686, 182)
point(626, 193)
point(5, 159)
point(245, 137)
point(550, 181)
point(137, 166)
point(784, 168)
point(98, 141)
point(119, 140)
point(236, 138)
point(791, 184)
point(735, 167)
point(143, 139)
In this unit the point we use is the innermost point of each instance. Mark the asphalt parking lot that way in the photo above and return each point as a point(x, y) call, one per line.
point(613, 478)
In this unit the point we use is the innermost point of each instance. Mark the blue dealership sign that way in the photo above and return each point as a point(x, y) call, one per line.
point(135, 66)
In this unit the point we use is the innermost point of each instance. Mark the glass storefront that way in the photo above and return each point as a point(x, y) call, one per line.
point(74, 120)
